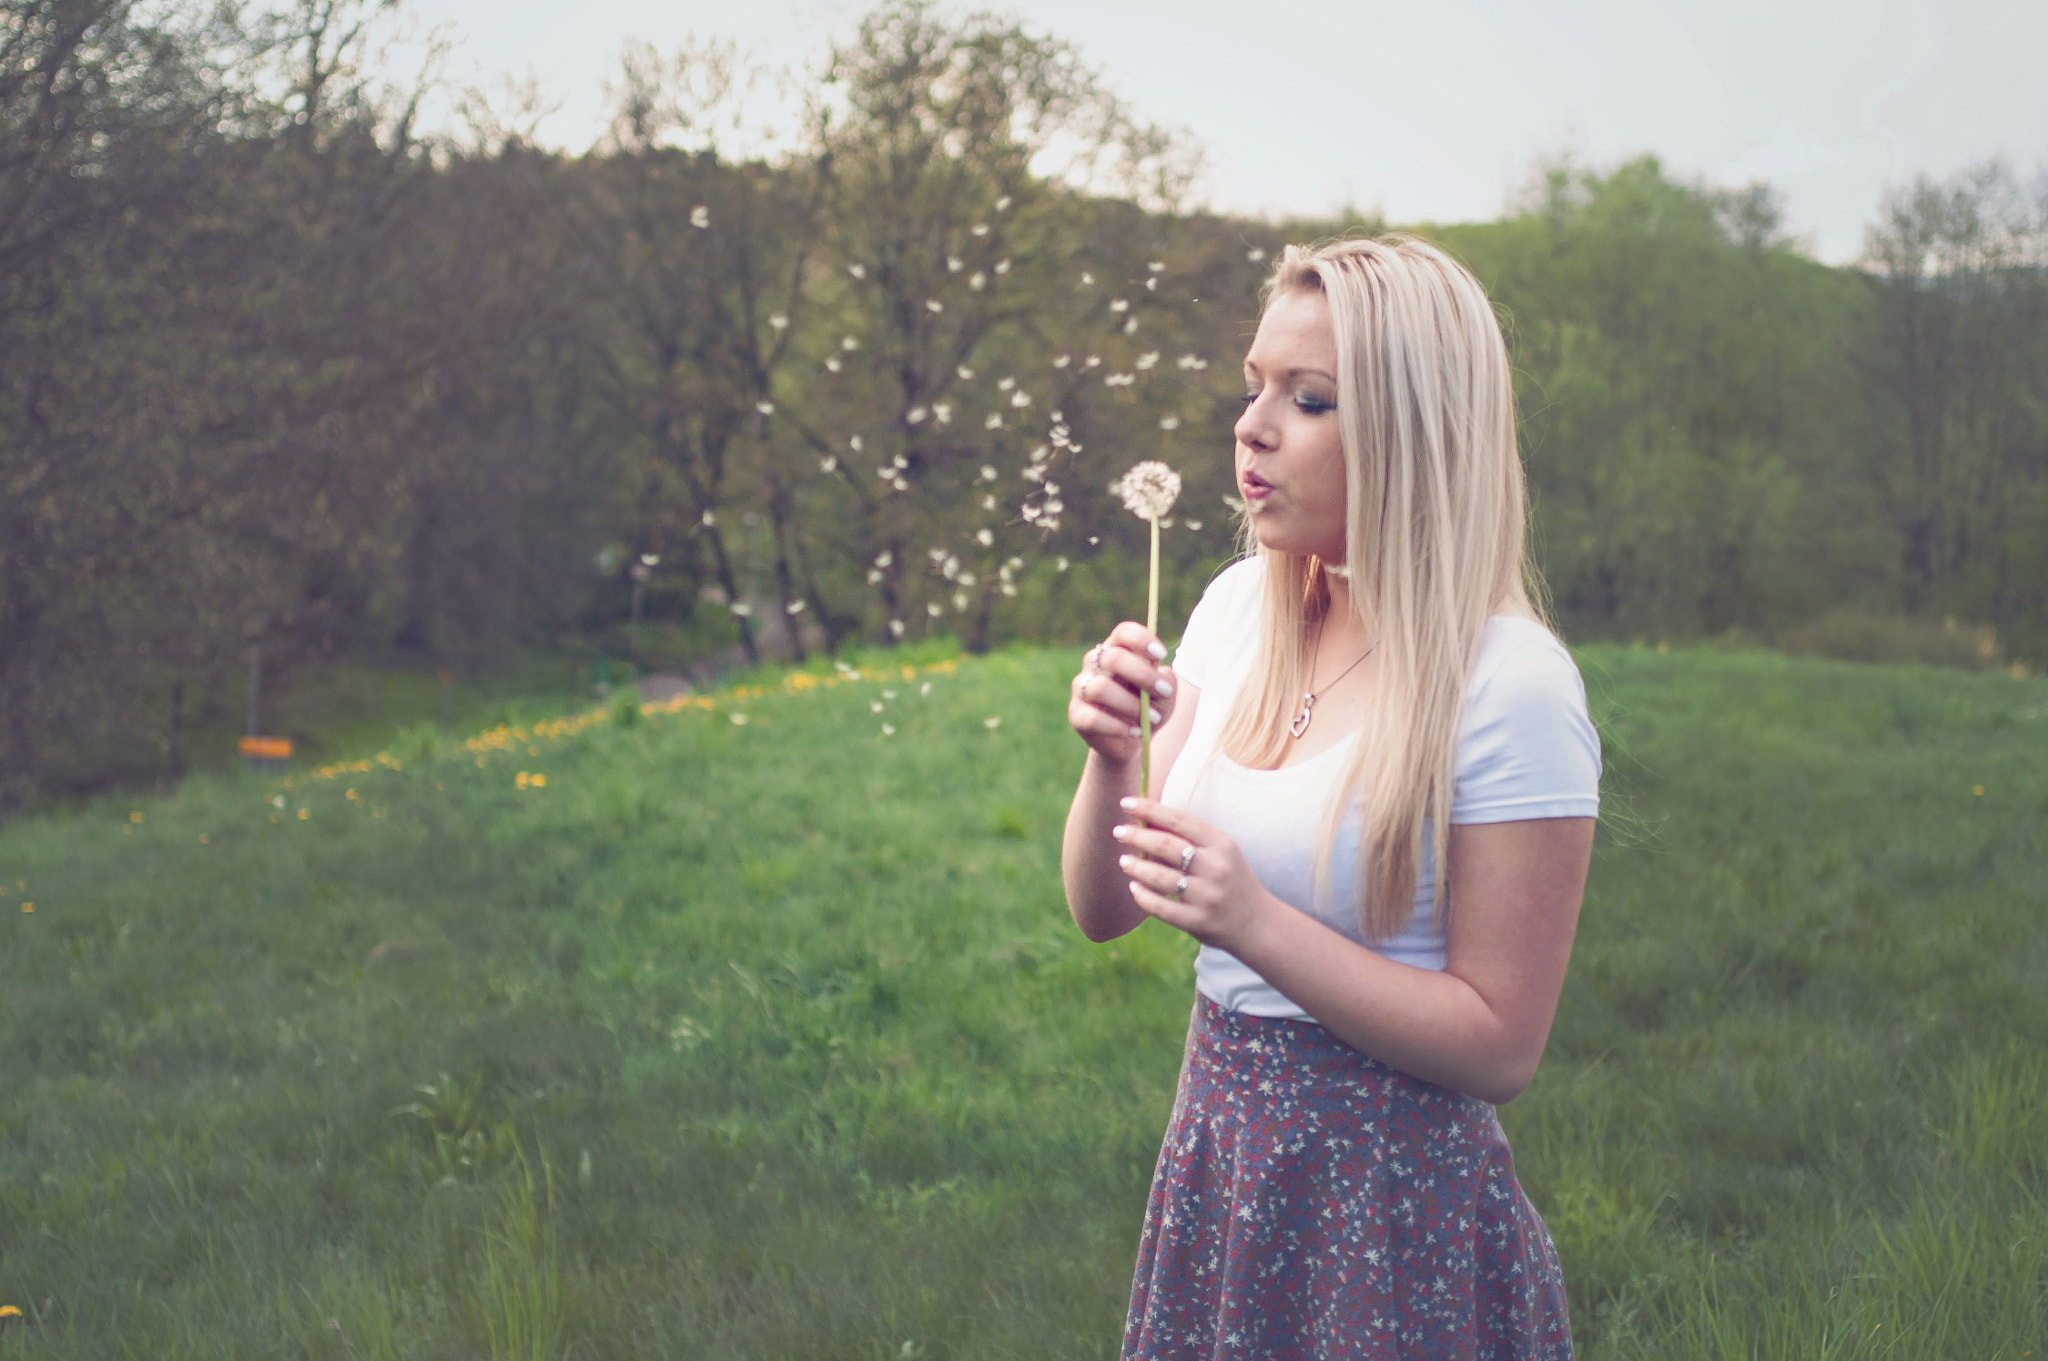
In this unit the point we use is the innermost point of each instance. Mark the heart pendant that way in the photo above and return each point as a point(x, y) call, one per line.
point(1300, 723)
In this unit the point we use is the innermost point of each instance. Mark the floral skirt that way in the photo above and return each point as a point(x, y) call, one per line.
point(1312, 1202)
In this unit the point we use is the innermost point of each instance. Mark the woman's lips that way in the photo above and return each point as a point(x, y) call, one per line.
point(1255, 489)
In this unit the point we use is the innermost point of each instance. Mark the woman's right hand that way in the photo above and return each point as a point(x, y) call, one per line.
point(1118, 675)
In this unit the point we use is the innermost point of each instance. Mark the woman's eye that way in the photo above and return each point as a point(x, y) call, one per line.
point(1249, 398)
point(1313, 405)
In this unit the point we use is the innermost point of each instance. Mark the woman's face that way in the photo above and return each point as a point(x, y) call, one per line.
point(1290, 456)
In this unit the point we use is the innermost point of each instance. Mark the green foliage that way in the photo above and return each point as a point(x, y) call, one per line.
point(799, 1003)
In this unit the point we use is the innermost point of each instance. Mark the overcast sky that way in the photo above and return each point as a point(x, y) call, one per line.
point(1438, 111)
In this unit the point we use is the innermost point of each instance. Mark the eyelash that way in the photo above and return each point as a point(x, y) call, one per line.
point(1308, 405)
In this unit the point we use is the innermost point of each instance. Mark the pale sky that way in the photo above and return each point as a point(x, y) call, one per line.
point(1437, 111)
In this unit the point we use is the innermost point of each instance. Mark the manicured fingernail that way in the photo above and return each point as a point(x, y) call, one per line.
point(1158, 651)
point(1124, 861)
point(1155, 717)
point(1120, 832)
point(1136, 731)
point(1163, 688)
point(1127, 803)
point(1134, 888)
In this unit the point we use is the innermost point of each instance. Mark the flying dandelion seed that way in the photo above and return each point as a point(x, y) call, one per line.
point(964, 372)
point(888, 694)
point(960, 602)
point(934, 609)
point(1119, 305)
point(874, 706)
point(994, 421)
point(1151, 285)
point(1002, 266)
point(1092, 361)
point(849, 344)
point(954, 264)
point(700, 216)
point(741, 608)
point(765, 408)
point(1005, 383)
point(884, 558)
point(896, 627)
point(1154, 266)
point(1255, 255)
point(1131, 327)
point(1002, 203)
point(900, 461)
point(1194, 526)
point(1059, 564)
point(988, 473)
point(1020, 398)
point(709, 518)
point(832, 364)
point(794, 607)
point(1148, 359)
point(1087, 279)
point(915, 415)
point(828, 463)
point(988, 503)
point(739, 720)
point(977, 281)
point(1062, 361)
point(857, 271)
point(778, 321)
point(874, 576)
point(900, 485)
point(1169, 422)
point(925, 689)
point(984, 537)
point(934, 305)
point(888, 731)
point(992, 723)
point(854, 444)
point(979, 229)
point(942, 412)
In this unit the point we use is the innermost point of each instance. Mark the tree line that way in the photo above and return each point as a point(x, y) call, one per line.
point(276, 369)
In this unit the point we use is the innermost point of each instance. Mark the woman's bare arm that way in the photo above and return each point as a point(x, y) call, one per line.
point(1479, 1025)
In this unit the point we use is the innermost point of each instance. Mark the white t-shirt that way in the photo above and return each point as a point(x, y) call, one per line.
point(1526, 749)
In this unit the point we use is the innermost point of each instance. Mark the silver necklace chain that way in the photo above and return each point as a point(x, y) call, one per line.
point(1308, 701)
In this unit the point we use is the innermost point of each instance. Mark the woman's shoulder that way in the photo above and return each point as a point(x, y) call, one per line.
point(1224, 619)
point(1520, 666)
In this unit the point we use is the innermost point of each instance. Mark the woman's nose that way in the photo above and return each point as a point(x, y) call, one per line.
point(1253, 429)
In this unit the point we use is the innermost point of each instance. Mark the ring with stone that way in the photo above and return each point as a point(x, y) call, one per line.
point(1187, 859)
point(1180, 888)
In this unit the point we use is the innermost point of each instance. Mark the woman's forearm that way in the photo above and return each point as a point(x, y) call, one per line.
point(1098, 894)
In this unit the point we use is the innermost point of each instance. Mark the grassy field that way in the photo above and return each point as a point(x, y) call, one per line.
point(669, 1034)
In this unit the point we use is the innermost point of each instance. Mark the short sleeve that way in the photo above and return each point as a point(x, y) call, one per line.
point(1527, 747)
point(1224, 625)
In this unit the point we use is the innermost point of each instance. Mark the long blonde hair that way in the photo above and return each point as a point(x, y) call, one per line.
point(1434, 543)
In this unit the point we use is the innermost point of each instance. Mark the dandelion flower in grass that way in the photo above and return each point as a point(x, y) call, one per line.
point(135, 817)
point(700, 216)
point(8, 1311)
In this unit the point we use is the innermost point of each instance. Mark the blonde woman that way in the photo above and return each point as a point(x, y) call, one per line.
point(1378, 785)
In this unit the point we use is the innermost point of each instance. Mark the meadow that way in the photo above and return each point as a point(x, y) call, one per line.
point(752, 1025)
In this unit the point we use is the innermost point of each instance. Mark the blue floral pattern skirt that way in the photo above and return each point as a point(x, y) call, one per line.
point(1312, 1202)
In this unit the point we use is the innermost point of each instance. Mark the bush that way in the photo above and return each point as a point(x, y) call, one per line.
point(1857, 636)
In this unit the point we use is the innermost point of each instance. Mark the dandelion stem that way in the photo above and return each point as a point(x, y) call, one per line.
point(1145, 707)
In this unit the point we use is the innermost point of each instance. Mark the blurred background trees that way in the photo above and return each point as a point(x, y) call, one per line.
point(276, 370)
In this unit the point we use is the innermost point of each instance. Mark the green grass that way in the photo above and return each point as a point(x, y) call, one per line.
point(773, 1039)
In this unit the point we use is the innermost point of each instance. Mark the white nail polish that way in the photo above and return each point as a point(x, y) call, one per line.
point(1158, 651)
point(1155, 718)
point(1137, 731)
point(1163, 688)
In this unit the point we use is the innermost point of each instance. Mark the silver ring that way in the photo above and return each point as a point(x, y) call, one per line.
point(1187, 860)
point(1095, 659)
point(1180, 888)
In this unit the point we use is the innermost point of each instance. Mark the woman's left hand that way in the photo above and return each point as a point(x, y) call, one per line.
point(1188, 874)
